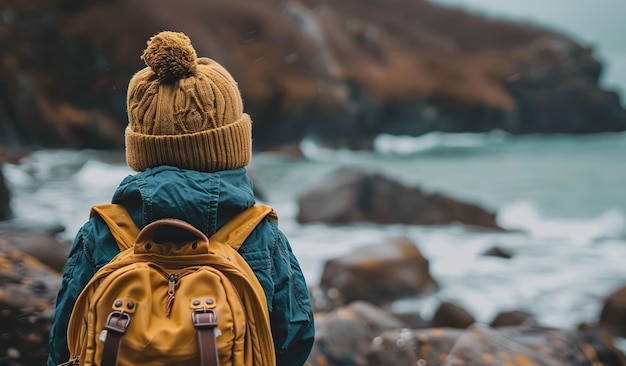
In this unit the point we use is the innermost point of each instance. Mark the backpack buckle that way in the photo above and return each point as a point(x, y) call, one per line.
point(117, 321)
point(204, 318)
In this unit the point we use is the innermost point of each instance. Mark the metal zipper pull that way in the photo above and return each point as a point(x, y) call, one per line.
point(171, 290)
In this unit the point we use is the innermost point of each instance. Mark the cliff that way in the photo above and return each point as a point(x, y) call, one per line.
point(340, 72)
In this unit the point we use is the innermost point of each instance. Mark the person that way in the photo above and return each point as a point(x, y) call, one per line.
point(189, 142)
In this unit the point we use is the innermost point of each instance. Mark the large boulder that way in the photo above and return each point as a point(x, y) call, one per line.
point(352, 196)
point(336, 71)
point(379, 274)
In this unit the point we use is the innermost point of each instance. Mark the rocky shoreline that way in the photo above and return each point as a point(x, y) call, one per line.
point(355, 320)
point(355, 324)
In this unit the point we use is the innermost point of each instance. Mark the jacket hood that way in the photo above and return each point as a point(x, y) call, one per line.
point(190, 195)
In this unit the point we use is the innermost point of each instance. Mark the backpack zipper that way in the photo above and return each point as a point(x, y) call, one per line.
point(172, 279)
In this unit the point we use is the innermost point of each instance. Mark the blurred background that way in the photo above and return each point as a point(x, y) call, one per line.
point(514, 107)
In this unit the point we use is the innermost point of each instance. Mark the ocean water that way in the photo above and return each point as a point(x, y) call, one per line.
point(561, 196)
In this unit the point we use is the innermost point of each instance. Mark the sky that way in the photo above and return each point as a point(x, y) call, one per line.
point(600, 24)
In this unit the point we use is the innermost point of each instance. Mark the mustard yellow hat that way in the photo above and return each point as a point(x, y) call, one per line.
point(185, 111)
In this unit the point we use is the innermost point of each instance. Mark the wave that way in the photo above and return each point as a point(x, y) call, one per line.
point(527, 217)
point(42, 167)
point(449, 143)
point(434, 141)
point(316, 152)
point(402, 145)
point(99, 175)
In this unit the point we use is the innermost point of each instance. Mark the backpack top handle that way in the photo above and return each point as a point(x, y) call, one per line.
point(171, 237)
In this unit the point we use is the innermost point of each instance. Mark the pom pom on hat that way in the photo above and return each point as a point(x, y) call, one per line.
point(171, 56)
point(185, 111)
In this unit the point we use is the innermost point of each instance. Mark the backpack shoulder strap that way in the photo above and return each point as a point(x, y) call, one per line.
point(119, 222)
point(235, 231)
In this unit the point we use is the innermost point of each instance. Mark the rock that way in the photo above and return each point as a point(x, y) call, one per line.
point(557, 77)
point(41, 245)
point(357, 196)
point(379, 274)
point(451, 315)
point(8, 156)
point(498, 252)
point(257, 189)
point(422, 347)
point(483, 346)
point(5, 197)
point(513, 318)
point(613, 313)
point(412, 320)
point(343, 336)
point(28, 290)
point(602, 344)
point(325, 300)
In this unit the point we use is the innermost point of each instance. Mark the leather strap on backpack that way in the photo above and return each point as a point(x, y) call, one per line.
point(235, 231)
point(119, 222)
point(205, 323)
point(115, 326)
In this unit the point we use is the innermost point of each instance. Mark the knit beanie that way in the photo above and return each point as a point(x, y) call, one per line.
point(185, 111)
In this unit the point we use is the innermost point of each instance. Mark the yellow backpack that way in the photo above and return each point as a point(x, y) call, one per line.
point(172, 296)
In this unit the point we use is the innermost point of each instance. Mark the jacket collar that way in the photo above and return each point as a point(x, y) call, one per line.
point(193, 196)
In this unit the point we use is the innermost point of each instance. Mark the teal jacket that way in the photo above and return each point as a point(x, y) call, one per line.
point(207, 201)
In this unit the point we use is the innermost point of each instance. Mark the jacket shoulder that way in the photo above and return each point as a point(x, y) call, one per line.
point(98, 244)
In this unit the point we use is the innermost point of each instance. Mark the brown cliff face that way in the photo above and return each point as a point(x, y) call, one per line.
point(342, 72)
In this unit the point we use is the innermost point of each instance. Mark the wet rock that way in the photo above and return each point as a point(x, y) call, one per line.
point(484, 346)
point(512, 318)
point(39, 244)
point(613, 313)
point(5, 197)
point(412, 347)
point(357, 196)
point(602, 344)
point(412, 320)
point(498, 252)
point(343, 336)
point(325, 300)
point(379, 274)
point(28, 290)
point(257, 189)
point(451, 315)
point(8, 156)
